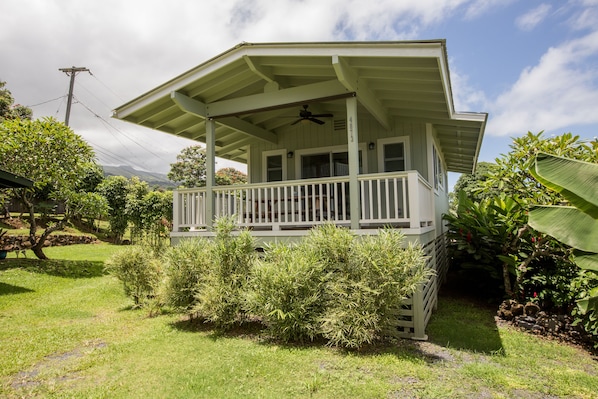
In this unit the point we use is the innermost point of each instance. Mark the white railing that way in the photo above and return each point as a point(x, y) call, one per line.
point(402, 198)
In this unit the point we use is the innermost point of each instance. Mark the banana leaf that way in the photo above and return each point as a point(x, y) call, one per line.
point(590, 303)
point(586, 260)
point(568, 225)
point(577, 181)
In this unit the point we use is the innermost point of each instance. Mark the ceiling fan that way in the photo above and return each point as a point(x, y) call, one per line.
point(305, 115)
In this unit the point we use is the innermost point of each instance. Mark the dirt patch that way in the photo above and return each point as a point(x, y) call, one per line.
point(34, 377)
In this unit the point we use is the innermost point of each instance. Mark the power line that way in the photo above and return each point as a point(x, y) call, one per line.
point(108, 88)
point(48, 101)
point(120, 131)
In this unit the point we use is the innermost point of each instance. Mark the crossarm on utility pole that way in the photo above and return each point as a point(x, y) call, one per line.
point(71, 72)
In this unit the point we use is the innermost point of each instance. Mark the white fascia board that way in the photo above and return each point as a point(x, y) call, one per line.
point(362, 49)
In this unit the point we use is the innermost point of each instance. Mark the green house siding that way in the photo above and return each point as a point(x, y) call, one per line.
point(312, 136)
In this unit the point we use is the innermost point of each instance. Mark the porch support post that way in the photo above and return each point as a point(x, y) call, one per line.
point(210, 170)
point(353, 152)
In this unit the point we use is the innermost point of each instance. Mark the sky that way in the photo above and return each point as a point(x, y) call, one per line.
point(532, 65)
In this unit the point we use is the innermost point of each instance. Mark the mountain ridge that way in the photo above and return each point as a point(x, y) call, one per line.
point(151, 178)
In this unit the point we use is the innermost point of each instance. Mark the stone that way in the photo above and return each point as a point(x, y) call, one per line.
point(531, 309)
point(517, 309)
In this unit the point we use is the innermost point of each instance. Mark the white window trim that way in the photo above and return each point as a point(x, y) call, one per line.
point(435, 151)
point(329, 149)
point(265, 155)
point(393, 140)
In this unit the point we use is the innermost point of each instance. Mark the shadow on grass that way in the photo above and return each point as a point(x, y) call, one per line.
point(462, 322)
point(9, 289)
point(56, 267)
point(458, 323)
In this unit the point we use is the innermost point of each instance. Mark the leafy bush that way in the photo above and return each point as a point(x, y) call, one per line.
point(138, 270)
point(367, 298)
point(490, 241)
point(287, 290)
point(185, 267)
point(333, 284)
point(221, 295)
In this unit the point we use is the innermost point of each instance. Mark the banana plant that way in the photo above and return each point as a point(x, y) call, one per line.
point(575, 224)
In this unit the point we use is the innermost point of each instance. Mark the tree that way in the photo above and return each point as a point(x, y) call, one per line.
point(471, 185)
point(115, 189)
point(190, 168)
point(229, 176)
point(9, 110)
point(513, 175)
point(53, 156)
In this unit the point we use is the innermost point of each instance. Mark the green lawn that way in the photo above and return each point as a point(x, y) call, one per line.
point(67, 330)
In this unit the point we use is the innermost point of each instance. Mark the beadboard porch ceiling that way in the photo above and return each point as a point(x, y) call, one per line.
point(255, 91)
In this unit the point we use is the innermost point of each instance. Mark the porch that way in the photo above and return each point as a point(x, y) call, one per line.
point(399, 199)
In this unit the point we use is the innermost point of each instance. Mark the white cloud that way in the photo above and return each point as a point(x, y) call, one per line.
point(476, 8)
point(562, 90)
point(135, 45)
point(533, 17)
point(466, 97)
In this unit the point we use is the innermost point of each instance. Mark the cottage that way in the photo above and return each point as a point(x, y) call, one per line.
point(360, 134)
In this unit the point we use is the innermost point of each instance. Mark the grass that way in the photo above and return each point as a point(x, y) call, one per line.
point(68, 331)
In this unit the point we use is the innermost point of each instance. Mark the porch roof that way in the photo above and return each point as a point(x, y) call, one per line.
point(254, 91)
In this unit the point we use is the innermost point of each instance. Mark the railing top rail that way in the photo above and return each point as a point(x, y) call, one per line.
point(382, 175)
point(299, 182)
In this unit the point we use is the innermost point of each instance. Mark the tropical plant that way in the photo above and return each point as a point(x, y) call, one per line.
point(575, 225)
point(493, 247)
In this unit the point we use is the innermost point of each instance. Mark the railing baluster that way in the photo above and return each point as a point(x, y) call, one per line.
point(379, 195)
point(387, 196)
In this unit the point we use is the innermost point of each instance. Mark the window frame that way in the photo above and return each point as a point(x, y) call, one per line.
point(393, 140)
point(329, 150)
point(265, 155)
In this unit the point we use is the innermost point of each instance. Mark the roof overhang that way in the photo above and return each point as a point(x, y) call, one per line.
point(10, 180)
point(249, 89)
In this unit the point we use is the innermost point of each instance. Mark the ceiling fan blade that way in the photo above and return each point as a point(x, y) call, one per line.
point(322, 115)
point(297, 121)
point(319, 122)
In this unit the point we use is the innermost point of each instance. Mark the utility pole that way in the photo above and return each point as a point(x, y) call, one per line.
point(72, 72)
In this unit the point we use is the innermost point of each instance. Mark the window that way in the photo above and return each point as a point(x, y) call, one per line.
point(327, 164)
point(393, 154)
point(274, 165)
point(438, 169)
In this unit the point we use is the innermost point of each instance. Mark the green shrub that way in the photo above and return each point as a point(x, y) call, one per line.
point(333, 284)
point(138, 270)
point(221, 295)
point(367, 298)
point(287, 292)
point(185, 266)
